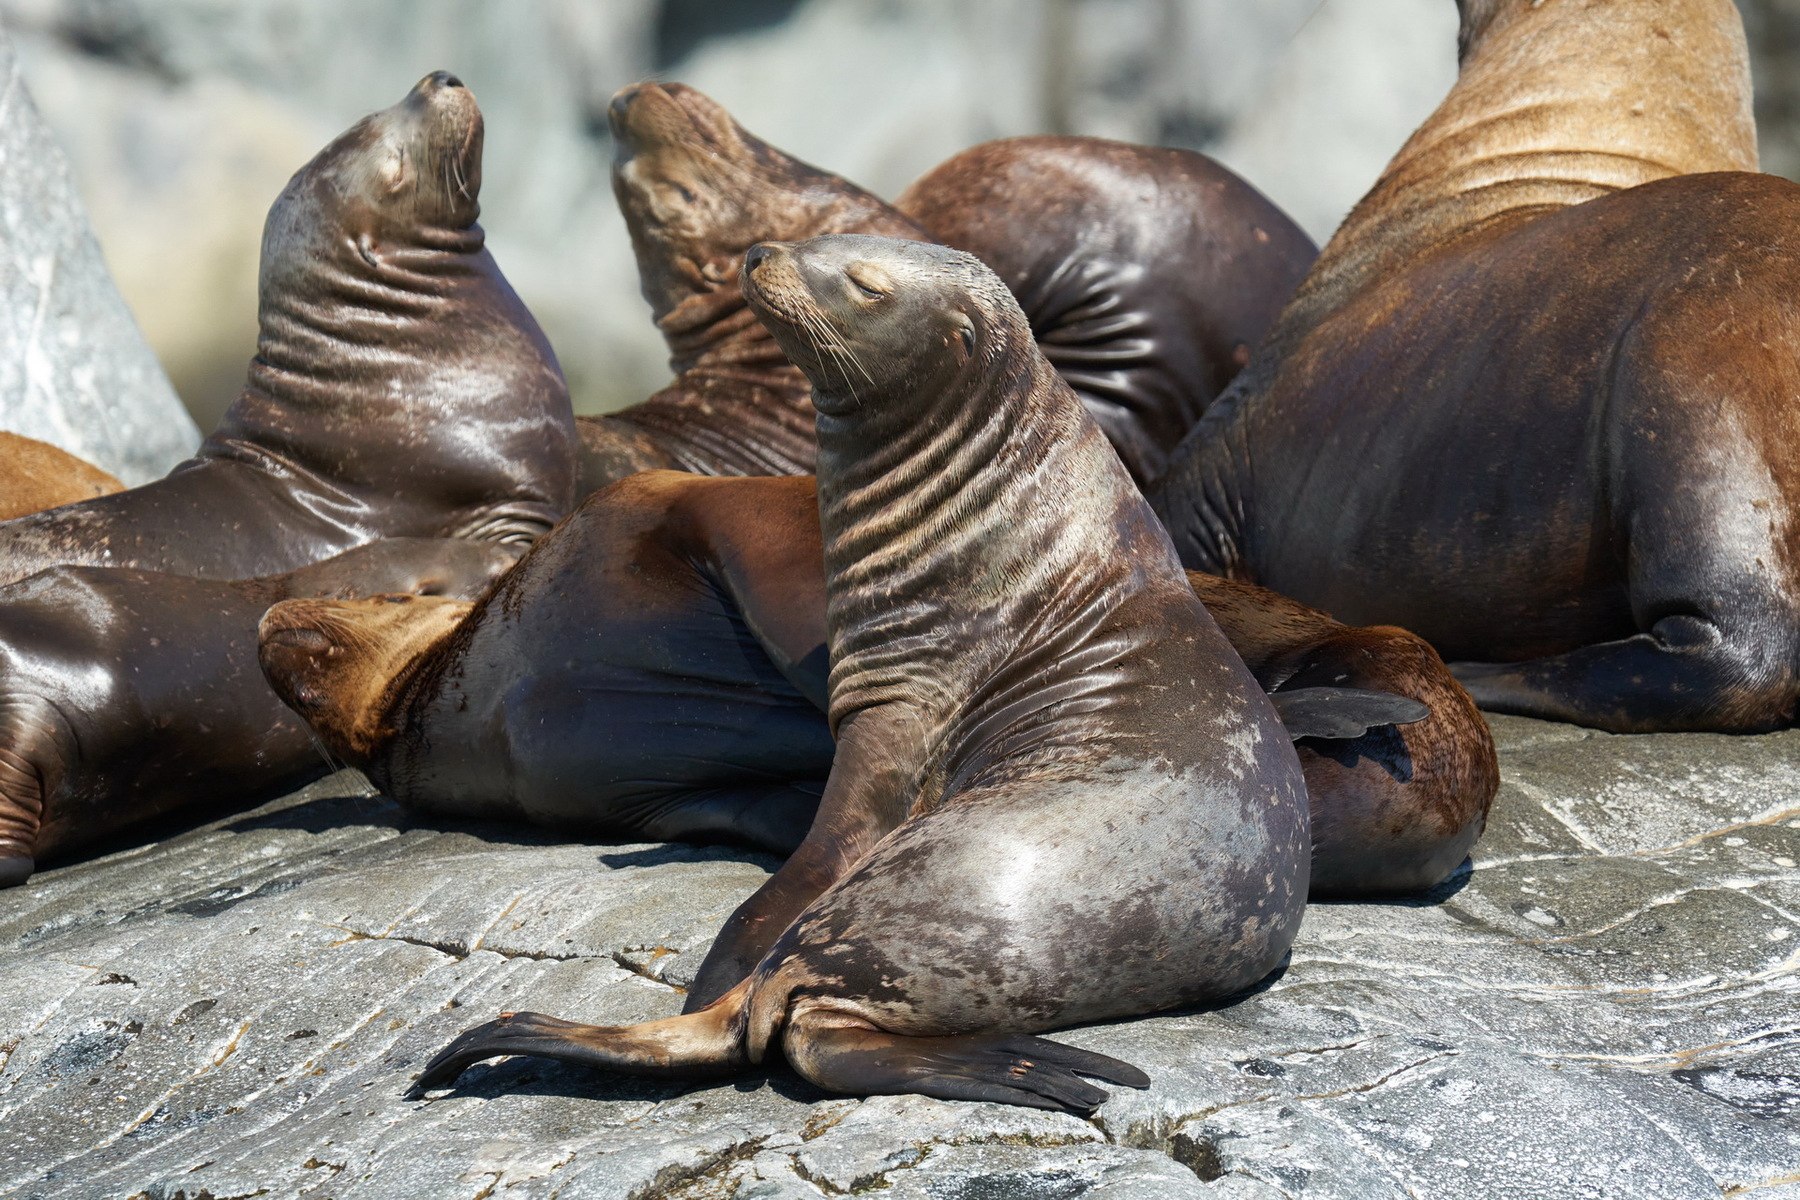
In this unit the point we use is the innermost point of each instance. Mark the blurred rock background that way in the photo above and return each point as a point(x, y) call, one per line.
point(183, 118)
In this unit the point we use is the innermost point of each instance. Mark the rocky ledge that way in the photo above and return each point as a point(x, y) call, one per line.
point(1607, 1004)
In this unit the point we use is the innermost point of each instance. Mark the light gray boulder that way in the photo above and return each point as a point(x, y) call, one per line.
point(74, 369)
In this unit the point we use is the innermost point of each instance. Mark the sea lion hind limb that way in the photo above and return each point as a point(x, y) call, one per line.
point(1031, 1072)
point(1339, 713)
point(698, 1045)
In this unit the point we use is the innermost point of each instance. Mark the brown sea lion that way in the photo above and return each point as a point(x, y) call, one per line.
point(399, 386)
point(697, 191)
point(35, 475)
point(126, 694)
point(1533, 402)
point(1149, 273)
point(1045, 747)
point(657, 668)
point(654, 667)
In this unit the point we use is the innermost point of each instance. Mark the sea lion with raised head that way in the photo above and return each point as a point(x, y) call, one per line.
point(1149, 273)
point(657, 668)
point(399, 388)
point(125, 695)
point(35, 475)
point(698, 190)
point(1534, 401)
point(1045, 747)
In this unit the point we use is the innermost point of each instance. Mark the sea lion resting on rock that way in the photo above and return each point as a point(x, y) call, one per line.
point(656, 667)
point(1046, 749)
point(1535, 400)
point(125, 694)
point(399, 386)
point(35, 475)
point(1146, 276)
point(1149, 273)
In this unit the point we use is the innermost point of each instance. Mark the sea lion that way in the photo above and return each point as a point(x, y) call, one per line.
point(35, 475)
point(1045, 747)
point(698, 190)
point(127, 694)
point(1149, 273)
point(399, 386)
point(656, 667)
point(1533, 401)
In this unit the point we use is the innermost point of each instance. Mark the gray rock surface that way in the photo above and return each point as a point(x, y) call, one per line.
point(1607, 1005)
point(74, 369)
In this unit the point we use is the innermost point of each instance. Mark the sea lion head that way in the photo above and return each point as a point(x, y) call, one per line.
point(402, 178)
point(698, 190)
point(341, 664)
point(880, 324)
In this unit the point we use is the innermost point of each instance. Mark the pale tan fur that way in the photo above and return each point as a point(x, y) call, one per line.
point(345, 691)
point(1557, 102)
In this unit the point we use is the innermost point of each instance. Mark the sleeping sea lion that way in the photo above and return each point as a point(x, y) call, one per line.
point(1045, 747)
point(1149, 273)
point(1535, 400)
point(125, 695)
point(698, 190)
point(399, 388)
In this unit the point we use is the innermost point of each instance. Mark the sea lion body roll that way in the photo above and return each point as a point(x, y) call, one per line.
point(697, 191)
point(636, 674)
point(1536, 406)
point(399, 387)
point(1046, 749)
point(35, 476)
point(1149, 273)
point(125, 694)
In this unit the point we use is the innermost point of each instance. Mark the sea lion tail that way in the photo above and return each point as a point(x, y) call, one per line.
point(697, 1045)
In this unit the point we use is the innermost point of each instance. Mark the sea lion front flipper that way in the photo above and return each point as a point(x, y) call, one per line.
point(1340, 713)
point(1027, 1071)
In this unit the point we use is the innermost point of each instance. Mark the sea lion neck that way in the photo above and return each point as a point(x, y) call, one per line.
point(1557, 102)
point(715, 333)
point(989, 505)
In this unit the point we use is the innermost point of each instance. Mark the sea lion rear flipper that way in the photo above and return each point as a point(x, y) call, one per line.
point(694, 1046)
point(1027, 1071)
point(1340, 713)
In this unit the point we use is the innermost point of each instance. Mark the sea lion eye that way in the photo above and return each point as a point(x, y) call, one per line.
point(966, 331)
point(865, 284)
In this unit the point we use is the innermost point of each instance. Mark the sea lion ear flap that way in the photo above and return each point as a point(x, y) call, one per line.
point(1339, 714)
point(965, 330)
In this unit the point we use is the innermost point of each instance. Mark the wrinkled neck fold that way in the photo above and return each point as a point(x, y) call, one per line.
point(968, 523)
point(1558, 102)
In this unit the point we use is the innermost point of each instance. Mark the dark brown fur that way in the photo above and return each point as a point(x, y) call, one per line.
point(399, 389)
point(1534, 403)
point(126, 695)
point(1149, 274)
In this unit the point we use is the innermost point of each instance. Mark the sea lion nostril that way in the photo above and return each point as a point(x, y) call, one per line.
point(758, 253)
point(445, 79)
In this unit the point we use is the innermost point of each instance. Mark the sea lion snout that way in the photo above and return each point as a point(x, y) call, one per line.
point(338, 662)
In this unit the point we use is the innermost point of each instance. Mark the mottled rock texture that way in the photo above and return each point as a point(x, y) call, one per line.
point(74, 370)
point(1608, 1004)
